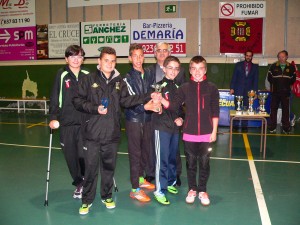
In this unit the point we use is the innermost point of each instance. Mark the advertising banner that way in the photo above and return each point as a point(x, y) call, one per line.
point(17, 13)
point(17, 30)
point(237, 36)
point(96, 35)
point(18, 43)
point(151, 31)
point(60, 36)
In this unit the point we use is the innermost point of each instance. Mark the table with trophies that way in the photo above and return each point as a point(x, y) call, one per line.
point(251, 114)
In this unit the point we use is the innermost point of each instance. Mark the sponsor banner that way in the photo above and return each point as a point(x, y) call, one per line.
point(151, 31)
point(237, 36)
point(80, 3)
point(17, 13)
point(60, 36)
point(226, 103)
point(254, 9)
point(18, 43)
point(96, 35)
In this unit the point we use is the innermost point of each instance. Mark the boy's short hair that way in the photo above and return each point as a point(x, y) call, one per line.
point(160, 44)
point(107, 50)
point(171, 59)
point(283, 51)
point(198, 59)
point(74, 50)
point(135, 46)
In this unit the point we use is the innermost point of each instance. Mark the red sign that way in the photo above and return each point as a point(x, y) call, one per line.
point(238, 36)
point(176, 48)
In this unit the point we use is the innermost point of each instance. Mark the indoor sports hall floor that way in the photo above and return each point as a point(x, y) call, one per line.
point(243, 191)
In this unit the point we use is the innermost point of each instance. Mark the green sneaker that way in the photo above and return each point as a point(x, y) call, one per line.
point(162, 199)
point(172, 189)
point(109, 203)
point(84, 209)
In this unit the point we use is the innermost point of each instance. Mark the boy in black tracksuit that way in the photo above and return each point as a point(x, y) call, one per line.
point(62, 111)
point(138, 126)
point(166, 134)
point(102, 126)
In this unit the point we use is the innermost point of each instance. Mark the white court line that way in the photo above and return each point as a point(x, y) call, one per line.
point(182, 156)
point(262, 206)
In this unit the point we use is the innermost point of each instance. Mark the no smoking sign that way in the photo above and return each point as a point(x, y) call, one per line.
point(226, 10)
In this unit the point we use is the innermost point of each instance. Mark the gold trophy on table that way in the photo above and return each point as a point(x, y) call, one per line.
point(262, 101)
point(251, 96)
point(239, 100)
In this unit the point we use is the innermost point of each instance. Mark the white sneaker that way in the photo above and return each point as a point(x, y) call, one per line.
point(204, 198)
point(78, 192)
point(190, 198)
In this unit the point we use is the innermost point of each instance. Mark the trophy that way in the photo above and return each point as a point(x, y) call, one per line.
point(239, 100)
point(251, 96)
point(104, 103)
point(157, 88)
point(262, 100)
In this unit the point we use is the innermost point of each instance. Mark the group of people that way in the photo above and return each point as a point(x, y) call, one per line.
point(158, 101)
point(281, 75)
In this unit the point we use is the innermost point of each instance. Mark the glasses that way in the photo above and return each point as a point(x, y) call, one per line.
point(78, 57)
point(172, 68)
point(162, 50)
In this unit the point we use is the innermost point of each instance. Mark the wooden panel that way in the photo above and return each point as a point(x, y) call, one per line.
point(293, 31)
point(129, 11)
point(92, 13)
point(189, 10)
point(149, 11)
point(274, 36)
point(42, 12)
point(59, 9)
point(110, 12)
point(75, 14)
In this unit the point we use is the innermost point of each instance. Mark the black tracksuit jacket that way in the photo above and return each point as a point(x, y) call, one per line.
point(103, 128)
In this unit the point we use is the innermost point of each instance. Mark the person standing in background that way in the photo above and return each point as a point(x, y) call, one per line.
point(281, 76)
point(244, 79)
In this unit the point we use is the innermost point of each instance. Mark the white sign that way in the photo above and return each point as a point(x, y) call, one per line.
point(151, 31)
point(115, 34)
point(60, 36)
point(17, 13)
point(80, 3)
point(254, 9)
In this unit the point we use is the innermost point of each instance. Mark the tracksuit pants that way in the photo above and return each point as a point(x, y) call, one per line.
point(284, 99)
point(140, 150)
point(197, 152)
point(166, 148)
point(71, 144)
point(98, 156)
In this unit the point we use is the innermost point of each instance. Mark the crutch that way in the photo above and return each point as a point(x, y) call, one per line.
point(48, 168)
point(115, 185)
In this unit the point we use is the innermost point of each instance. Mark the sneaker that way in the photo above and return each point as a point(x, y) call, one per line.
point(162, 199)
point(78, 192)
point(109, 203)
point(147, 185)
point(84, 209)
point(272, 131)
point(139, 195)
point(293, 121)
point(203, 196)
point(172, 189)
point(190, 198)
point(287, 131)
